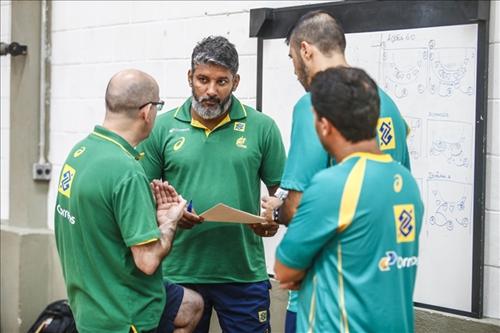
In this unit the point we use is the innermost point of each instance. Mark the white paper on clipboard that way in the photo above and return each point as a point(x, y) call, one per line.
point(223, 213)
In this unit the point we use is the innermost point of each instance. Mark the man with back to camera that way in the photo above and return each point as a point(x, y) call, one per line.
point(317, 42)
point(110, 237)
point(354, 254)
point(213, 149)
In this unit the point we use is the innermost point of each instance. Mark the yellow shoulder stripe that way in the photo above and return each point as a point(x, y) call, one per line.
point(350, 196)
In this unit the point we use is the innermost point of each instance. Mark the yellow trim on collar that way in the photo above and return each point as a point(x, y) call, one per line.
point(370, 156)
point(243, 107)
point(113, 141)
point(177, 111)
point(196, 123)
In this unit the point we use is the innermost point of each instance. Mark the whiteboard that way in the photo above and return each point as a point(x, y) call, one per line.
point(430, 73)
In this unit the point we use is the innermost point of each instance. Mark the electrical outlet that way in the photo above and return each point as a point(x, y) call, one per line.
point(42, 171)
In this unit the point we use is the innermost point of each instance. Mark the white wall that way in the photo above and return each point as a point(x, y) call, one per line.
point(5, 14)
point(492, 228)
point(93, 40)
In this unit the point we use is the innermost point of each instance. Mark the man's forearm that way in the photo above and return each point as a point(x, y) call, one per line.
point(167, 232)
point(148, 257)
point(289, 207)
point(285, 274)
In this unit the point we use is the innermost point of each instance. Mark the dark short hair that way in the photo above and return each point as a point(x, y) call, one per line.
point(320, 29)
point(348, 98)
point(215, 50)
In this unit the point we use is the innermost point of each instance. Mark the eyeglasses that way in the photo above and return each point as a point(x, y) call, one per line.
point(159, 105)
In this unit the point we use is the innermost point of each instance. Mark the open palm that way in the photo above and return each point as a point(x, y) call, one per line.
point(169, 205)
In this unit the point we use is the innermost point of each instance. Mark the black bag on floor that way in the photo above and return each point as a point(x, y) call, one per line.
point(56, 318)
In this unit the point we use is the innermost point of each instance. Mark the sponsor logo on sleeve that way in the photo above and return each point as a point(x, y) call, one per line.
point(398, 183)
point(79, 152)
point(67, 177)
point(385, 129)
point(404, 216)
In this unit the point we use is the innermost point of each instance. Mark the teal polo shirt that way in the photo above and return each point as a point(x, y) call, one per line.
point(104, 206)
point(360, 250)
point(223, 165)
point(306, 155)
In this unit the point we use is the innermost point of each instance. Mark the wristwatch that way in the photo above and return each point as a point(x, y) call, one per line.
point(280, 194)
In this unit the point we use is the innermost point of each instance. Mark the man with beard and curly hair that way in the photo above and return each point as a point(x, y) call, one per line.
point(214, 149)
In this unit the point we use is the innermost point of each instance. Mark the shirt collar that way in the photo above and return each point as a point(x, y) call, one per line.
point(237, 110)
point(384, 158)
point(107, 135)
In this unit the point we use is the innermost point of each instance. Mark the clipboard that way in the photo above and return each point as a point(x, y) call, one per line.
point(224, 213)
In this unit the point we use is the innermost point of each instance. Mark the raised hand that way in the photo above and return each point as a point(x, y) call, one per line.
point(169, 205)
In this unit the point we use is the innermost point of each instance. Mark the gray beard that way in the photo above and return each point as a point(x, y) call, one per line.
point(213, 112)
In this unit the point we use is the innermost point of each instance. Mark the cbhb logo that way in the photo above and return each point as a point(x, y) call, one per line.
point(405, 223)
point(385, 131)
point(239, 127)
point(67, 177)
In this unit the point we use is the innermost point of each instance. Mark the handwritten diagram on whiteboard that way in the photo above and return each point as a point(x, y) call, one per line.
point(430, 73)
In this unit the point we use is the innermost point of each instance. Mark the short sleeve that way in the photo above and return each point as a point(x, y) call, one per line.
point(134, 210)
point(312, 226)
point(152, 162)
point(306, 155)
point(273, 157)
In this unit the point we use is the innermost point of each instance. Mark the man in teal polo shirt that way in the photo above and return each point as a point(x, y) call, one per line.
point(317, 42)
point(213, 149)
point(353, 254)
point(110, 236)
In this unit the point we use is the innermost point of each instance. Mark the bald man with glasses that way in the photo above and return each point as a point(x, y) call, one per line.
point(111, 234)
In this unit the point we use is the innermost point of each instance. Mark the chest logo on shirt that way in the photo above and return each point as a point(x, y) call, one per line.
point(385, 129)
point(67, 176)
point(398, 183)
point(241, 142)
point(240, 127)
point(405, 223)
point(79, 152)
point(179, 143)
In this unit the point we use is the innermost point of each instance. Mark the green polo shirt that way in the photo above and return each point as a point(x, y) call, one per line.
point(224, 165)
point(104, 206)
point(356, 234)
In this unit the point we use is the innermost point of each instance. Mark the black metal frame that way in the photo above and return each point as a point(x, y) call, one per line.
point(364, 16)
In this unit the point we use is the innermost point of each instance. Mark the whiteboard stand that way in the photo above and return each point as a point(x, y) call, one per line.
point(443, 45)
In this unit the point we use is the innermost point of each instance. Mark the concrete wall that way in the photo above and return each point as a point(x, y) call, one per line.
point(5, 14)
point(93, 40)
